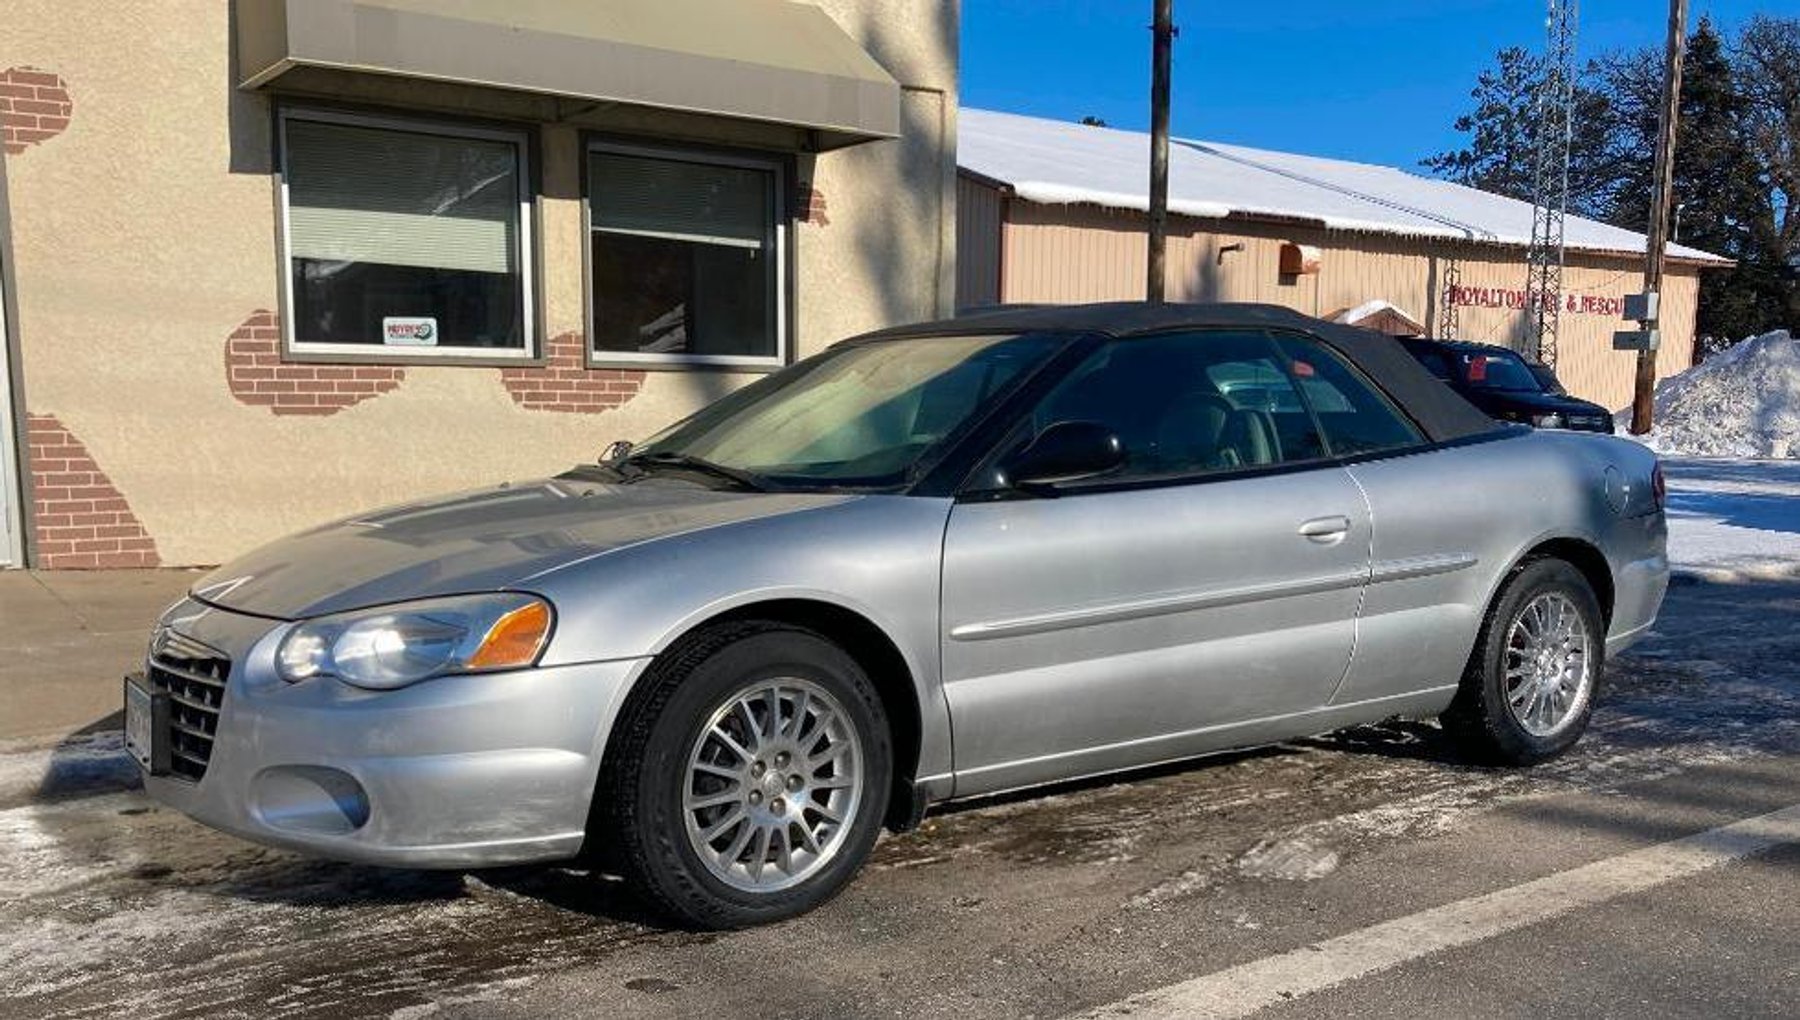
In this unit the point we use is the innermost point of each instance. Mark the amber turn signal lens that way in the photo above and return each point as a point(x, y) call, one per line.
point(515, 639)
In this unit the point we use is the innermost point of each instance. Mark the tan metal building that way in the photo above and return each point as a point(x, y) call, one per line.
point(269, 262)
point(1054, 212)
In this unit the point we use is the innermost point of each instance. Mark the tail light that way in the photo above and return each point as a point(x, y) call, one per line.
point(1659, 487)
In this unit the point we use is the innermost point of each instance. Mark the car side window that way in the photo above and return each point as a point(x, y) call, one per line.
point(1355, 416)
point(1188, 403)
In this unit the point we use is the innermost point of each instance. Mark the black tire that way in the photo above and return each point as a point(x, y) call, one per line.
point(640, 815)
point(1480, 720)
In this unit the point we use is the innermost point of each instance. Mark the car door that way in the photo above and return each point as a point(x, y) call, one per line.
point(1426, 595)
point(1211, 580)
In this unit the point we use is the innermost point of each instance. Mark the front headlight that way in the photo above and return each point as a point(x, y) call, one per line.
point(392, 646)
point(1547, 421)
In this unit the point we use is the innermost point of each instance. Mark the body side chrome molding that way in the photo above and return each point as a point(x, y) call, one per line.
point(1421, 566)
point(1159, 605)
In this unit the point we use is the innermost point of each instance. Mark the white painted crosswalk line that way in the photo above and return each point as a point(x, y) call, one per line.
point(1244, 989)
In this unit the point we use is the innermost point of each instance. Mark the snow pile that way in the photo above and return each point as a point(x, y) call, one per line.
point(1743, 402)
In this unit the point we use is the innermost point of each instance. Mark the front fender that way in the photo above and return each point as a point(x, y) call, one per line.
point(876, 556)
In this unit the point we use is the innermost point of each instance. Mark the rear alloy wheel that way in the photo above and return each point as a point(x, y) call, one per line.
point(749, 777)
point(1548, 657)
point(1529, 688)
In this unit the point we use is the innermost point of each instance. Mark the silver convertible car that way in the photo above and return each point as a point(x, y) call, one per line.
point(930, 563)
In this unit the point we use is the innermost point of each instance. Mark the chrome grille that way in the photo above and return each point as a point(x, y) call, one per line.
point(194, 676)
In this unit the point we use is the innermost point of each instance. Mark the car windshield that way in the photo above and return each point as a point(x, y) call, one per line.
point(1499, 371)
point(858, 416)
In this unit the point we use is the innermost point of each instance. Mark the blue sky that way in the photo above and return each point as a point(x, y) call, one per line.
point(1373, 80)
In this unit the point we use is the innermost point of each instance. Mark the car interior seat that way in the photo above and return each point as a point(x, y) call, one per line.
point(1204, 430)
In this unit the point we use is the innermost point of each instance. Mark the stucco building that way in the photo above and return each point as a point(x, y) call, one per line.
point(1054, 212)
point(268, 262)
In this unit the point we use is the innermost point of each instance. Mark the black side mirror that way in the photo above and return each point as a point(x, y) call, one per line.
point(1067, 451)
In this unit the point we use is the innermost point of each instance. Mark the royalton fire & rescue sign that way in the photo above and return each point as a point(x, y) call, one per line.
point(1501, 297)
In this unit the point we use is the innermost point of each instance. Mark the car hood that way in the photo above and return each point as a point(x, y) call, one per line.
point(476, 541)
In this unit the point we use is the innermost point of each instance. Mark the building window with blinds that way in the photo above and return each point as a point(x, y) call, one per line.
point(405, 238)
point(686, 260)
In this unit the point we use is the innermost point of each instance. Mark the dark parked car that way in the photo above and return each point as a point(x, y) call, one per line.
point(1503, 383)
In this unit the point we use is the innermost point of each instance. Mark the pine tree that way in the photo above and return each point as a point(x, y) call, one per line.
point(1766, 65)
point(1500, 157)
point(1737, 166)
point(1717, 191)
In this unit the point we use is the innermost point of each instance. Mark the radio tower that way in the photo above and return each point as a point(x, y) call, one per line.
point(1449, 324)
point(1550, 177)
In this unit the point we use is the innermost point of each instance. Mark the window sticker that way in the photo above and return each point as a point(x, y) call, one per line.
point(1478, 368)
point(409, 331)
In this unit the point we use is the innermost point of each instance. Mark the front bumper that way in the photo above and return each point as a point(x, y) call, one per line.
point(460, 771)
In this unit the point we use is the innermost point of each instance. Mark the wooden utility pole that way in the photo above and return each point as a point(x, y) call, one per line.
point(1163, 38)
point(1660, 194)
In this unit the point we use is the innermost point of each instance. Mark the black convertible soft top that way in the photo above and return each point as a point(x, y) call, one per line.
point(1443, 414)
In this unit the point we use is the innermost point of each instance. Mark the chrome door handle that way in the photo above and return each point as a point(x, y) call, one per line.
point(1326, 529)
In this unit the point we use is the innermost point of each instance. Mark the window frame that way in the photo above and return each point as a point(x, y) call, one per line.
point(780, 236)
point(530, 349)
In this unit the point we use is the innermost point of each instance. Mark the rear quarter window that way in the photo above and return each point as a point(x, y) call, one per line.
point(1355, 417)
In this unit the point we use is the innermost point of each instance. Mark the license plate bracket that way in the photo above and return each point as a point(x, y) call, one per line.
point(147, 725)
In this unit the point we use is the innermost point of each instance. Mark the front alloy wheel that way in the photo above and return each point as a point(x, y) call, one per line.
point(772, 778)
point(748, 776)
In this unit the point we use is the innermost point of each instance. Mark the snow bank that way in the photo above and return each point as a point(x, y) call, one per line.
point(1743, 402)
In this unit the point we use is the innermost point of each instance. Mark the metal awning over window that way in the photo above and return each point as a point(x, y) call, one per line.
point(767, 61)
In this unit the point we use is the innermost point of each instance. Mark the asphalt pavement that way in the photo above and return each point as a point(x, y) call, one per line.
point(1365, 873)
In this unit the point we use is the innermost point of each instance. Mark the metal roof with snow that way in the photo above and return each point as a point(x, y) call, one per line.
point(1057, 163)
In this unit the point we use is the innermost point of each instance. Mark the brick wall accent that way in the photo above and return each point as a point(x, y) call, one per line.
point(810, 207)
point(566, 384)
point(80, 520)
point(34, 107)
point(257, 376)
